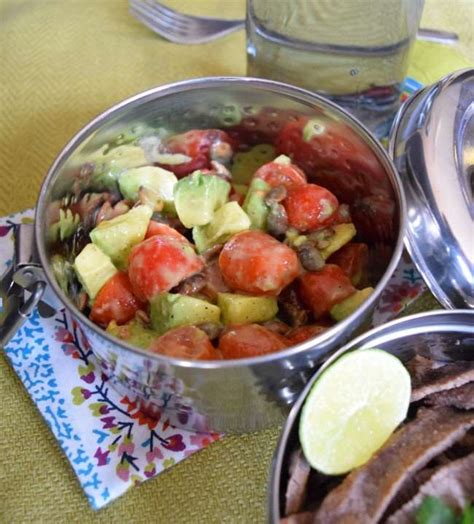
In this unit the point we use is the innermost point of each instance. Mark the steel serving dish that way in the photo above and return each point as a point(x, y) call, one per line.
point(229, 396)
point(441, 335)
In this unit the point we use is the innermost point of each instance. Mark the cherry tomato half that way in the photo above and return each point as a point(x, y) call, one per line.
point(256, 263)
point(250, 340)
point(286, 175)
point(187, 342)
point(300, 334)
point(157, 228)
point(115, 301)
point(309, 207)
point(159, 263)
point(321, 290)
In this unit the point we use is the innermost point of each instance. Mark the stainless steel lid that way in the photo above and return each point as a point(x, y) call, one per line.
point(432, 145)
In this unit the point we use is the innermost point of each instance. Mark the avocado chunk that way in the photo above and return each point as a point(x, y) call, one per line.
point(228, 220)
point(93, 269)
point(254, 203)
point(243, 309)
point(133, 332)
point(245, 164)
point(197, 196)
point(117, 236)
point(350, 304)
point(170, 310)
point(343, 233)
point(160, 181)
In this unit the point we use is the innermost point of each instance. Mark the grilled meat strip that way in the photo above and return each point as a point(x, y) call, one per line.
point(296, 490)
point(445, 377)
point(365, 494)
point(461, 397)
point(453, 483)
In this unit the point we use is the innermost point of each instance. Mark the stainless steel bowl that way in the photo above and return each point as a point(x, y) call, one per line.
point(437, 334)
point(253, 393)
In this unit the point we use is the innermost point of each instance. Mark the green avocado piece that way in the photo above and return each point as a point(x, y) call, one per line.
point(343, 233)
point(93, 268)
point(243, 309)
point(245, 164)
point(254, 203)
point(160, 181)
point(133, 332)
point(228, 220)
point(117, 236)
point(347, 306)
point(170, 310)
point(197, 196)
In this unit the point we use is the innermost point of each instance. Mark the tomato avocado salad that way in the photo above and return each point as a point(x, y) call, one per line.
point(201, 246)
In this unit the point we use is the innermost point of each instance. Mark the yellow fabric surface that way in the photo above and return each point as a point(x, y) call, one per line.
point(61, 63)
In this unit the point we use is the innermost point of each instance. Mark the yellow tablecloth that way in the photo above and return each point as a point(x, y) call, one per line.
point(61, 63)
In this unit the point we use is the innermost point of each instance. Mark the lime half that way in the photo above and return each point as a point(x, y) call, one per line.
point(352, 409)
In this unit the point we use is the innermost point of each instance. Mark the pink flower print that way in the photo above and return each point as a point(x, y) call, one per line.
point(127, 446)
point(4, 230)
point(99, 408)
point(155, 454)
point(123, 471)
point(102, 457)
point(201, 440)
point(175, 443)
point(87, 373)
point(63, 335)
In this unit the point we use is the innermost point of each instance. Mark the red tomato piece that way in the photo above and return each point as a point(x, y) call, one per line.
point(353, 259)
point(303, 333)
point(321, 290)
point(250, 340)
point(159, 263)
point(286, 175)
point(201, 145)
point(115, 301)
point(157, 228)
point(256, 263)
point(309, 207)
point(334, 157)
point(188, 342)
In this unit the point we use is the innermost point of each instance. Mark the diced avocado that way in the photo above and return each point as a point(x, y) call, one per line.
point(254, 203)
point(343, 233)
point(93, 269)
point(117, 236)
point(243, 309)
point(133, 332)
point(156, 179)
point(350, 304)
point(228, 220)
point(245, 164)
point(172, 159)
point(197, 197)
point(170, 310)
point(314, 127)
point(283, 160)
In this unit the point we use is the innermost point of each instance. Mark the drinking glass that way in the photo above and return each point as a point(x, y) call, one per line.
point(354, 52)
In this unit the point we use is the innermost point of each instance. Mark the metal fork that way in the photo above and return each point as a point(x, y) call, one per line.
point(187, 29)
point(179, 27)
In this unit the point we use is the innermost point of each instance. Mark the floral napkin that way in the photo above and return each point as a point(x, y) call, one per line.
point(110, 444)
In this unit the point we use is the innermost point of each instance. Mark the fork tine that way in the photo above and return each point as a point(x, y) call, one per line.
point(167, 14)
point(156, 24)
point(147, 10)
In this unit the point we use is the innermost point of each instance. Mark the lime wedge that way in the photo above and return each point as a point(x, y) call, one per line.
point(352, 409)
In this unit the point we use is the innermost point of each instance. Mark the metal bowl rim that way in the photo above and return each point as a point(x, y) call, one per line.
point(277, 88)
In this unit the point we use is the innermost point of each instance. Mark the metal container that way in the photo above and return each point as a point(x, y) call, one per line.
point(234, 395)
point(437, 334)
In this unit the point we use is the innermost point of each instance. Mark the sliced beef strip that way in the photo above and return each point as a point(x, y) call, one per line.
point(365, 494)
point(453, 483)
point(461, 397)
point(445, 377)
point(306, 517)
point(297, 483)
